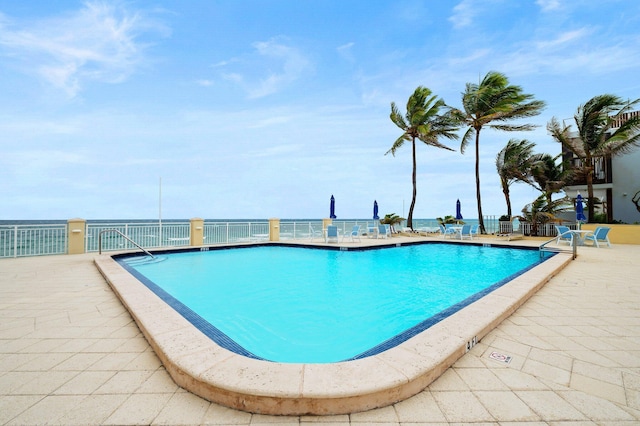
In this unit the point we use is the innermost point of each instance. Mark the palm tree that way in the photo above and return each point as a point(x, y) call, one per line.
point(392, 220)
point(493, 100)
point(513, 164)
point(596, 136)
point(542, 210)
point(547, 175)
point(422, 121)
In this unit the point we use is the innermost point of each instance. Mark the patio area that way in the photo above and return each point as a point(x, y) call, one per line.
point(70, 353)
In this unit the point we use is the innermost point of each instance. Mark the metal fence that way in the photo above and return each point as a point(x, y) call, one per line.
point(235, 232)
point(32, 240)
point(147, 235)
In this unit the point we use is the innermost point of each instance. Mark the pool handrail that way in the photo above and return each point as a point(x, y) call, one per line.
point(123, 236)
point(574, 245)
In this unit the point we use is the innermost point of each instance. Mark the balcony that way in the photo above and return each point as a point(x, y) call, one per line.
point(601, 170)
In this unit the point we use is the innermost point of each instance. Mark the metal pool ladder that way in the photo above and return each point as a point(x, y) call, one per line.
point(123, 236)
point(574, 246)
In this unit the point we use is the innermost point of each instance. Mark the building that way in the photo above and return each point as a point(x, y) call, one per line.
point(616, 182)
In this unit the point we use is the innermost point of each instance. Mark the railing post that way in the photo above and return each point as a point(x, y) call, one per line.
point(197, 232)
point(76, 233)
point(274, 229)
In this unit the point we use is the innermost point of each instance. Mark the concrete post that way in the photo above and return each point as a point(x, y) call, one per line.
point(76, 235)
point(197, 232)
point(274, 229)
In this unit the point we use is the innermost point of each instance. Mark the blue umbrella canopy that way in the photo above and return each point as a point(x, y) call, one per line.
point(332, 208)
point(458, 211)
point(375, 210)
point(580, 217)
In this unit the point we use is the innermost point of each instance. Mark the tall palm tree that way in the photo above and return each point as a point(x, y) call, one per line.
point(493, 100)
point(425, 122)
point(513, 163)
point(596, 136)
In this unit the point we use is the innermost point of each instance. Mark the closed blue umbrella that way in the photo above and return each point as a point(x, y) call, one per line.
point(580, 217)
point(458, 212)
point(375, 210)
point(332, 208)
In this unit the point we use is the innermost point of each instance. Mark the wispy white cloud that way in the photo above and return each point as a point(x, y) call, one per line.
point(463, 14)
point(549, 5)
point(345, 51)
point(96, 43)
point(283, 64)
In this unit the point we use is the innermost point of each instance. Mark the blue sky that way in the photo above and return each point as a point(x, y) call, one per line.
point(257, 109)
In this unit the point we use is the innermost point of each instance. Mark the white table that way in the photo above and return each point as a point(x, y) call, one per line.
point(580, 234)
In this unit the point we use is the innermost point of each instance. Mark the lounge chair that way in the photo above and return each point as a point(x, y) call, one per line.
point(354, 234)
point(382, 231)
point(332, 234)
point(313, 234)
point(448, 230)
point(564, 234)
point(601, 234)
point(465, 232)
point(475, 230)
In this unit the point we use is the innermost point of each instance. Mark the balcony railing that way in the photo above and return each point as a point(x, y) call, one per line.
point(601, 166)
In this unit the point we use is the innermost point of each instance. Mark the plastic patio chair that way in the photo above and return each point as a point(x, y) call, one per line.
point(332, 234)
point(601, 234)
point(354, 234)
point(564, 234)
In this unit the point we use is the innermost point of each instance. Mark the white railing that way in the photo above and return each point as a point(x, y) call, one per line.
point(32, 240)
point(147, 235)
point(235, 232)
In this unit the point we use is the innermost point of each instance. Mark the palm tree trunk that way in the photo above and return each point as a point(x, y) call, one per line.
point(590, 199)
point(480, 219)
point(415, 191)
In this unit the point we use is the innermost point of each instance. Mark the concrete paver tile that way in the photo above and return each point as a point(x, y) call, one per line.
point(85, 383)
point(609, 375)
point(449, 381)
point(462, 407)
point(517, 380)
point(481, 379)
point(506, 406)
point(138, 409)
point(546, 371)
point(12, 405)
point(599, 388)
point(159, 382)
point(377, 416)
point(596, 408)
point(124, 382)
point(419, 408)
point(182, 408)
point(48, 410)
point(44, 384)
point(93, 410)
point(550, 407)
point(220, 415)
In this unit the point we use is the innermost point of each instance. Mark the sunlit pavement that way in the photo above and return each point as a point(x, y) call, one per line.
point(70, 353)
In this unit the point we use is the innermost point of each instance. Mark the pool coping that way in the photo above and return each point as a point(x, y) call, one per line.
point(199, 365)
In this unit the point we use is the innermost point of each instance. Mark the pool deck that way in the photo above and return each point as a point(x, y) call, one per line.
point(70, 353)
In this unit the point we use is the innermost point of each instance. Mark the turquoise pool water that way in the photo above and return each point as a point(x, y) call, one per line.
point(293, 304)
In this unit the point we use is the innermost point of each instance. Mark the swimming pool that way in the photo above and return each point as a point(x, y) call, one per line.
point(293, 304)
point(198, 364)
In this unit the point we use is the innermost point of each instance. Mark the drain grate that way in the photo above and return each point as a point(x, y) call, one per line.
point(506, 359)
